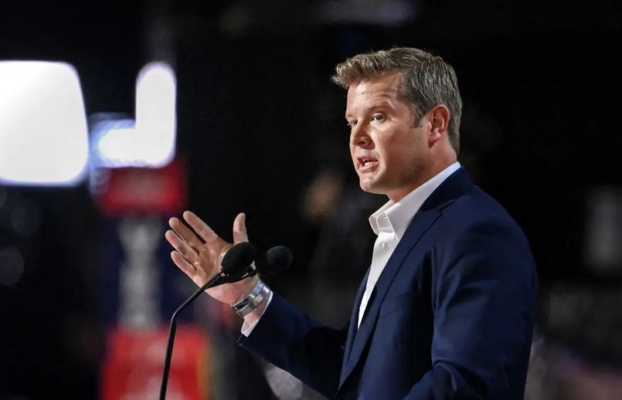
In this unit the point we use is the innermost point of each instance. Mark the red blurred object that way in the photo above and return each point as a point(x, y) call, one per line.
point(134, 361)
point(127, 191)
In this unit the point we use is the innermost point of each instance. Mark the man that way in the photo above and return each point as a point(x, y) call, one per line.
point(447, 307)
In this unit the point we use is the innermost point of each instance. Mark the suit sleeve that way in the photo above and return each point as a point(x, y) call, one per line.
point(293, 342)
point(484, 303)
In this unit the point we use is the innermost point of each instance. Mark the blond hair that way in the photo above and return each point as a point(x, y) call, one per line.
point(426, 81)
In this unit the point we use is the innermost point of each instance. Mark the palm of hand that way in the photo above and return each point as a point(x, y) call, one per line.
point(199, 253)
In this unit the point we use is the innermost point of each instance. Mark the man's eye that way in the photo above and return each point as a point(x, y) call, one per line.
point(377, 117)
point(352, 124)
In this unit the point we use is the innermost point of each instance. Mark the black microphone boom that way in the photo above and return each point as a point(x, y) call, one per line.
point(236, 265)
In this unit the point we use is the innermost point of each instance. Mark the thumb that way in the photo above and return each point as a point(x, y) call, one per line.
point(239, 229)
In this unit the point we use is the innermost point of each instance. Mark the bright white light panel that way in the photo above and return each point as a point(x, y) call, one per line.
point(43, 128)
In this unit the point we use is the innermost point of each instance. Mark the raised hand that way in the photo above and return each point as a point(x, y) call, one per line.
point(199, 252)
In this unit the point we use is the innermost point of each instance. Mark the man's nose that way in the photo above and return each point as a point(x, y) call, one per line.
point(359, 136)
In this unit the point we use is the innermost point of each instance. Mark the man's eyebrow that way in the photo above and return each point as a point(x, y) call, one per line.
point(374, 106)
point(379, 104)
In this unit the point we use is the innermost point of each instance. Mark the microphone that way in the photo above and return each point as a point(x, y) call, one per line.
point(236, 265)
point(276, 260)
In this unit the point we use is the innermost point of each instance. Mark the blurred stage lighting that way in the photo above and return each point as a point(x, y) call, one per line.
point(148, 141)
point(43, 129)
point(113, 141)
point(156, 122)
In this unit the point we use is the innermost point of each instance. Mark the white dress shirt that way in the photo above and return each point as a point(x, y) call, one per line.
point(390, 223)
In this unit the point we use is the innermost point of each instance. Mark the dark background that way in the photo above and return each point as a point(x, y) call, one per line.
point(258, 120)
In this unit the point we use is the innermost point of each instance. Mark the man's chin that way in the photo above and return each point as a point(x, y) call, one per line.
point(370, 187)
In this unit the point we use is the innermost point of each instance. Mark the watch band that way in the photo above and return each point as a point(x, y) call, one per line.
point(249, 303)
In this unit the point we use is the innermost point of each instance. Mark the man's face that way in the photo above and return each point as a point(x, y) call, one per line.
point(388, 150)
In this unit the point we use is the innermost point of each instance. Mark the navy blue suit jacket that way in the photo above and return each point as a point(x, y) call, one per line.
point(451, 316)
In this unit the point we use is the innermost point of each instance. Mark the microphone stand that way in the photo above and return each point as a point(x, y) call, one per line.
point(214, 281)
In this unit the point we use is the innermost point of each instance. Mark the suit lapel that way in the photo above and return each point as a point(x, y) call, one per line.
point(419, 225)
point(352, 328)
point(453, 187)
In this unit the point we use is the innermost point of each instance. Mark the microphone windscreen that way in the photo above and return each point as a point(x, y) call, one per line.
point(238, 258)
point(278, 259)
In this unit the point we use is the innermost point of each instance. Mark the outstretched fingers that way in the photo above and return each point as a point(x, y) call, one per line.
point(184, 265)
point(185, 257)
point(187, 236)
point(201, 228)
point(239, 229)
point(198, 249)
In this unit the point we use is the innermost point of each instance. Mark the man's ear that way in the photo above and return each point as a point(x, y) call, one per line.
point(439, 123)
